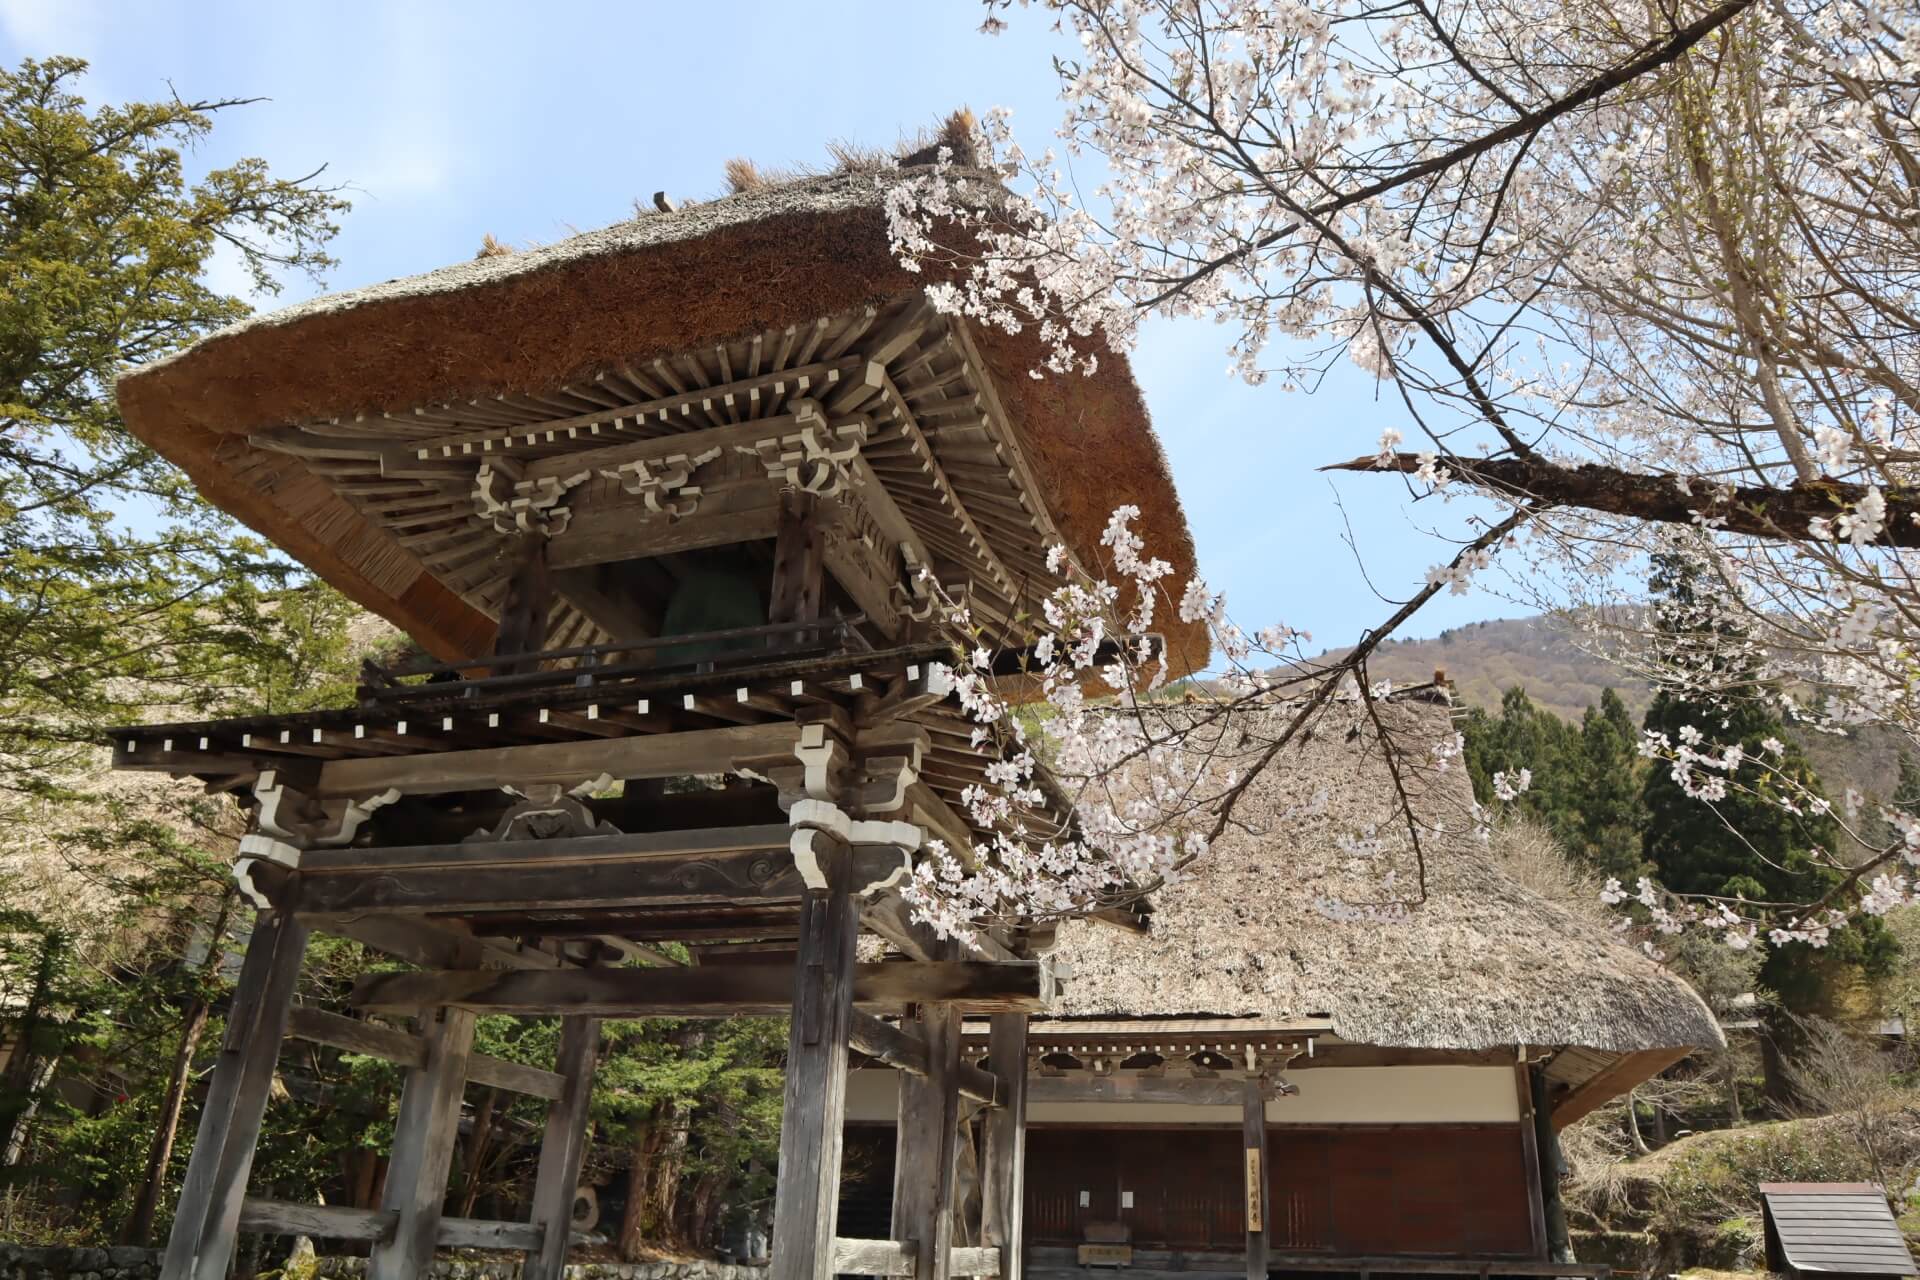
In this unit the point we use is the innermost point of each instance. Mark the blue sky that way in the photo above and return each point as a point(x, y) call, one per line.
point(452, 121)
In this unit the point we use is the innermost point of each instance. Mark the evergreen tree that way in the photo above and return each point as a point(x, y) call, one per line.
point(1609, 812)
point(1763, 841)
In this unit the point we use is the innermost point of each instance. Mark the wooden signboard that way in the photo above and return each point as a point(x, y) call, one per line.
point(1254, 1224)
point(1106, 1255)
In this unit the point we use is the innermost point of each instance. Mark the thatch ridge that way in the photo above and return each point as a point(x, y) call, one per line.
point(1481, 963)
point(532, 320)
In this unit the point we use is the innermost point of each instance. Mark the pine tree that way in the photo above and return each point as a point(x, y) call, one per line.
point(1610, 813)
point(1764, 842)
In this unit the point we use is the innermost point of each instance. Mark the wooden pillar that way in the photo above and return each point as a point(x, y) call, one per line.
point(423, 1140)
point(806, 1198)
point(1530, 1158)
point(1553, 1215)
point(523, 615)
point(926, 1145)
point(562, 1147)
point(1253, 1124)
point(207, 1219)
point(1004, 1159)
point(799, 559)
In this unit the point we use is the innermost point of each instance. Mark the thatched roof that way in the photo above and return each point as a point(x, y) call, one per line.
point(1481, 963)
point(529, 323)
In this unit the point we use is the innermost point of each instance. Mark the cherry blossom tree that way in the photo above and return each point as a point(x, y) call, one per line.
point(1641, 278)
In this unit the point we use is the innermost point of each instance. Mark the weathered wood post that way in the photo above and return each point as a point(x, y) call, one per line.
point(806, 1198)
point(926, 1144)
point(799, 559)
point(523, 615)
point(1530, 1157)
point(200, 1245)
point(1253, 1122)
point(424, 1134)
point(1553, 1209)
point(1004, 1159)
point(562, 1147)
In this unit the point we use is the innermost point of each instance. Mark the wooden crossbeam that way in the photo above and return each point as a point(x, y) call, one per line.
point(355, 1036)
point(718, 992)
point(743, 865)
point(1628, 1070)
point(891, 1258)
point(428, 945)
point(670, 755)
point(904, 1051)
point(1186, 1091)
point(336, 1222)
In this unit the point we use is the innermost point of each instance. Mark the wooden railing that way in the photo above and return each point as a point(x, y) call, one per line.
point(587, 665)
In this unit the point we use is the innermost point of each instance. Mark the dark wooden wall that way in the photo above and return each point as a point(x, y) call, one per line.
point(1347, 1189)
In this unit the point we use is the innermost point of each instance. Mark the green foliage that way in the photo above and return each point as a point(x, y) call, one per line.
point(1713, 1179)
point(114, 577)
point(1764, 842)
point(1586, 780)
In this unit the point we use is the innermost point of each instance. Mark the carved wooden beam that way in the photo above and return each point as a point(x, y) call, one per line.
point(660, 756)
point(718, 992)
point(740, 864)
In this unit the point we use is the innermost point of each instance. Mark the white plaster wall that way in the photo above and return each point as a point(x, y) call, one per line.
point(1328, 1095)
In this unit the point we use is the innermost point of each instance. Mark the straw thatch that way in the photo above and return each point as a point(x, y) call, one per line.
point(1481, 963)
point(529, 322)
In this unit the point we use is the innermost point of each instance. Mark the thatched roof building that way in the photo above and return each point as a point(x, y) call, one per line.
point(1481, 962)
point(283, 419)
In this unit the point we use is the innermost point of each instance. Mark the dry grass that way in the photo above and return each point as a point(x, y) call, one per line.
point(1484, 961)
point(492, 248)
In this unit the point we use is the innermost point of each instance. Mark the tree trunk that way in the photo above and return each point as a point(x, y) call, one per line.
point(139, 1225)
point(19, 1087)
point(1633, 1125)
point(663, 1173)
point(633, 1219)
point(475, 1155)
point(1734, 1115)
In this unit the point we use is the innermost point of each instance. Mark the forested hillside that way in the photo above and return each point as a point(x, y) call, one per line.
point(1485, 659)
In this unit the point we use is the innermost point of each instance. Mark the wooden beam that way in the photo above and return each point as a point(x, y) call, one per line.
point(207, 1218)
point(904, 1050)
point(718, 992)
point(324, 1221)
point(562, 1148)
point(667, 755)
point(334, 1222)
point(1253, 1129)
point(746, 865)
point(424, 1134)
point(927, 1145)
point(853, 1257)
point(1003, 1159)
point(807, 1194)
point(603, 532)
point(890, 917)
point(1628, 1070)
point(621, 847)
point(356, 1036)
point(1177, 1090)
point(431, 945)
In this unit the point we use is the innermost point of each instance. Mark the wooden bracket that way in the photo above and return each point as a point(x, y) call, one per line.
point(663, 484)
point(522, 506)
point(815, 457)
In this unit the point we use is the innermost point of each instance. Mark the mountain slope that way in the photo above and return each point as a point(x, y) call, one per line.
point(1485, 659)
